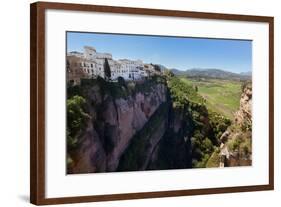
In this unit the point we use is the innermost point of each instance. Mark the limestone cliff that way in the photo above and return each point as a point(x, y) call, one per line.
point(236, 142)
point(114, 120)
point(243, 116)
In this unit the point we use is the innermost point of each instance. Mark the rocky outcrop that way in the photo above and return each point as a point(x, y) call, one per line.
point(91, 156)
point(236, 142)
point(244, 115)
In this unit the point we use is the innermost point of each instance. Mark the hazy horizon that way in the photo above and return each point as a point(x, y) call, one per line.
point(180, 53)
point(213, 69)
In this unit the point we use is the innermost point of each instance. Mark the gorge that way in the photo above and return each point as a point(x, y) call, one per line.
point(153, 124)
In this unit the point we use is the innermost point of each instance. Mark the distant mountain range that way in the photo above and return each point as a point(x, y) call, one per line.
point(212, 73)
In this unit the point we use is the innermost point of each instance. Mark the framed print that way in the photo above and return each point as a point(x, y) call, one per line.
point(130, 103)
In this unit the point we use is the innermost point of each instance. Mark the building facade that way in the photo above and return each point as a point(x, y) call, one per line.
point(74, 69)
point(91, 64)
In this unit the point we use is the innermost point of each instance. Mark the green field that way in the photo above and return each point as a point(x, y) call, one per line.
point(222, 96)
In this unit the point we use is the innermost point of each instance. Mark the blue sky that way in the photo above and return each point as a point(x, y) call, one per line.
point(172, 52)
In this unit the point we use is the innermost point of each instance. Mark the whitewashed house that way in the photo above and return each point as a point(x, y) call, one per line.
point(91, 53)
point(131, 69)
point(91, 63)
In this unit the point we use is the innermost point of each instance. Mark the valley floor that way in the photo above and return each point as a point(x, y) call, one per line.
point(221, 96)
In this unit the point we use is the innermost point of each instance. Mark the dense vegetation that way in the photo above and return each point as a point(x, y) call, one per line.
point(76, 119)
point(182, 93)
point(207, 127)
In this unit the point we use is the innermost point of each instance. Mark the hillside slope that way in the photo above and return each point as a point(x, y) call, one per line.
point(212, 73)
point(236, 141)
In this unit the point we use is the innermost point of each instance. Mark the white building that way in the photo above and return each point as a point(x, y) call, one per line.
point(91, 53)
point(75, 53)
point(131, 69)
point(92, 64)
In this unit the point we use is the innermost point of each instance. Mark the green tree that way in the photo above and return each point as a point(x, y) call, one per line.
point(107, 71)
point(76, 118)
point(207, 145)
point(121, 81)
point(169, 73)
point(157, 68)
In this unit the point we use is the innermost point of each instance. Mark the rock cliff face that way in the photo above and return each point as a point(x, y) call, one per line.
point(174, 150)
point(236, 146)
point(114, 122)
point(243, 116)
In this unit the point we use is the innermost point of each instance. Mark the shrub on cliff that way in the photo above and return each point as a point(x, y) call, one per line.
point(169, 73)
point(214, 160)
point(121, 81)
point(219, 124)
point(76, 118)
point(182, 93)
point(73, 90)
